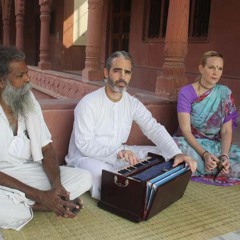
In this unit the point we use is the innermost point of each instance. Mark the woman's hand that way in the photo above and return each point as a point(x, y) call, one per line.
point(225, 163)
point(210, 161)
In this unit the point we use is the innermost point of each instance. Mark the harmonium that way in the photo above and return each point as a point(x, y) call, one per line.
point(141, 191)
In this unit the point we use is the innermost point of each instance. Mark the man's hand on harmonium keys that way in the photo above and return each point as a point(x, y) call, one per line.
point(128, 156)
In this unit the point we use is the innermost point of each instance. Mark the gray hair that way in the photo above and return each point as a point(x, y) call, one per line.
point(9, 54)
point(118, 54)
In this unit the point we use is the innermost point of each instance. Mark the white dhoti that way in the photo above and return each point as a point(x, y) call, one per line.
point(96, 166)
point(16, 209)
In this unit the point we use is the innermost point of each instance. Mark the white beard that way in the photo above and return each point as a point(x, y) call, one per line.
point(18, 99)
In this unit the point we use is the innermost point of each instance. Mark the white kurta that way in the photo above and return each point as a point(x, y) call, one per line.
point(17, 149)
point(101, 128)
point(16, 160)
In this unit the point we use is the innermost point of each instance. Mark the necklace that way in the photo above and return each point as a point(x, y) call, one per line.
point(199, 82)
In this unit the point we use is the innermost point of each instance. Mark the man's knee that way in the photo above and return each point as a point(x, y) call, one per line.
point(77, 181)
point(85, 179)
point(14, 216)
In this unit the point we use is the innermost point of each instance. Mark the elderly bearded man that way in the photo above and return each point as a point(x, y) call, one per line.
point(30, 177)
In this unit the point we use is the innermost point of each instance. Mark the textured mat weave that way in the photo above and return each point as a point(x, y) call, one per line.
point(204, 212)
point(229, 236)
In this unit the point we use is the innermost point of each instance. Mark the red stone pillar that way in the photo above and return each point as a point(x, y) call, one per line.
point(175, 50)
point(45, 9)
point(19, 12)
point(6, 9)
point(92, 69)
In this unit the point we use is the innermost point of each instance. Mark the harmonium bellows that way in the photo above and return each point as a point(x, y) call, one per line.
point(141, 191)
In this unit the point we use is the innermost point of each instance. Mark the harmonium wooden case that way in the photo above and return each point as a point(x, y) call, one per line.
point(141, 191)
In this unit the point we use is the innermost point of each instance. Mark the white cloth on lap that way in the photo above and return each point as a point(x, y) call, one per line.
point(96, 166)
point(16, 209)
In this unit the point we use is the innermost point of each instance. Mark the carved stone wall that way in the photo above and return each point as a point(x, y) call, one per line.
point(59, 85)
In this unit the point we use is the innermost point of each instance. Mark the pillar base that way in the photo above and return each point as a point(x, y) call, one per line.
point(92, 75)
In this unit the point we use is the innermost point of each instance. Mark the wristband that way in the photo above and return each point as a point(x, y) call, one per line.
point(203, 155)
point(224, 155)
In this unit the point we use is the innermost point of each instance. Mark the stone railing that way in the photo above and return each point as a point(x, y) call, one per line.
point(59, 84)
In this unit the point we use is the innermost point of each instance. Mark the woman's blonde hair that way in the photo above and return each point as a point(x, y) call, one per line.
point(209, 54)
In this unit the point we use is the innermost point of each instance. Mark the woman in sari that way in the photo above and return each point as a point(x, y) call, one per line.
point(207, 116)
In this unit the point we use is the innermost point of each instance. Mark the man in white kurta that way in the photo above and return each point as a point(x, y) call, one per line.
point(102, 124)
point(16, 161)
point(29, 172)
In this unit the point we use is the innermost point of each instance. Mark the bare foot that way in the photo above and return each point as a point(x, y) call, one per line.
point(78, 201)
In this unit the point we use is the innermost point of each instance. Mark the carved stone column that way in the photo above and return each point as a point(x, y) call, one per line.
point(175, 51)
point(6, 9)
point(93, 48)
point(45, 9)
point(19, 12)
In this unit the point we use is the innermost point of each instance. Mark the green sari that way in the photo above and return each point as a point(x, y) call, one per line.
point(208, 114)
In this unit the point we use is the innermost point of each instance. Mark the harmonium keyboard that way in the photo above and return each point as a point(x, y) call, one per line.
point(141, 191)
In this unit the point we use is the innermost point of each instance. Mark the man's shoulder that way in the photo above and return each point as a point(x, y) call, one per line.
point(93, 95)
point(133, 101)
point(131, 97)
point(32, 96)
point(91, 99)
point(35, 101)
